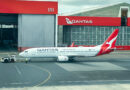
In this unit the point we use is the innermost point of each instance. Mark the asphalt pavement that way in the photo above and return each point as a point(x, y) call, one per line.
point(108, 71)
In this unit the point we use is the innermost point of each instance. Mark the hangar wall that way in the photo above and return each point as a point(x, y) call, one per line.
point(94, 35)
point(82, 32)
point(36, 30)
point(36, 22)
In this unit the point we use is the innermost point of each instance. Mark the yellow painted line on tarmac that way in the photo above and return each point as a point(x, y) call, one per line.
point(44, 81)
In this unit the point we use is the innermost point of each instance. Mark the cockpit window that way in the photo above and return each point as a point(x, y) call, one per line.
point(26, 51)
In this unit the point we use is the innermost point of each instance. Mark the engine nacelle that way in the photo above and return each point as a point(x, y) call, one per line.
point(63, 58)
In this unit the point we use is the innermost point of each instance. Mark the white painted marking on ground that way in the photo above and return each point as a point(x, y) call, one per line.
point(90, 66)
point(92, 81)
point(77, 87)
point(17, 83)
point(18, 70)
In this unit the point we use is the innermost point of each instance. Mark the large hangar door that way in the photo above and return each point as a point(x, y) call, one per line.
point(36, 30)
point(8, 31)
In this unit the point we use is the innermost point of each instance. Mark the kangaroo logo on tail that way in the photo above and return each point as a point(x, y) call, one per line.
point(109, 44)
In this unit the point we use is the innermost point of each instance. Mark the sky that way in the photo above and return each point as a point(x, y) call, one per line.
point(67, 6)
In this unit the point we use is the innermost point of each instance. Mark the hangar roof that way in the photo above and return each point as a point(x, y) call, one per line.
point(105, 11)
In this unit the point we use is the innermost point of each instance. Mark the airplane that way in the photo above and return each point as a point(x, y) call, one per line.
point(68, 53)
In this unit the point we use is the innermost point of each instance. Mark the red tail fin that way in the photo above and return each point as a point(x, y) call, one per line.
point(72, 45)
point(109, 44)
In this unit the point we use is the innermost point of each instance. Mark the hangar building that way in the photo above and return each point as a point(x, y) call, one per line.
point(26, 23)
point(92, 27)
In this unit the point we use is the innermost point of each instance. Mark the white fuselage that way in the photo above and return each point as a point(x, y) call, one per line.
point(61, 51)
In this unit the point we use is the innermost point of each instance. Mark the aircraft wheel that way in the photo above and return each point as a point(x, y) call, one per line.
point(71, 59)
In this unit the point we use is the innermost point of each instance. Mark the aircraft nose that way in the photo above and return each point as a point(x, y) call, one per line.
point(21, 54)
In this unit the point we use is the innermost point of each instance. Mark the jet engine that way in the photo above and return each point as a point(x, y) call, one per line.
point(63, 58)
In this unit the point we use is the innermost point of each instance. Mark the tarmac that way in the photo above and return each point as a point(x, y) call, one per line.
point(107, 72)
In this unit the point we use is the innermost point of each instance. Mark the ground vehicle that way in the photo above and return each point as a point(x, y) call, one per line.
point(10, 59)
